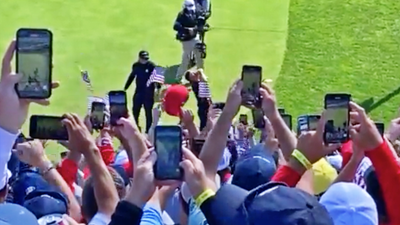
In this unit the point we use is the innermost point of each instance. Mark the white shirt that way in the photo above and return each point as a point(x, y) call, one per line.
point(7, 141)
point(100, 219)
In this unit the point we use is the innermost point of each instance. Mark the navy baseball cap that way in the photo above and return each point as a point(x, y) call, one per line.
point(43, 203)
point(254, 168)
point(144, 54)
point(13, 214)
point(375, 191)
point(269, 204)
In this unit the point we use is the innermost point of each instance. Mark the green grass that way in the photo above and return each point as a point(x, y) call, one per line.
point(342, 46)
point(105, 37)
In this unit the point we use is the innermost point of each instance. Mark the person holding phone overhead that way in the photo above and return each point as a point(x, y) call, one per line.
point(144, 92)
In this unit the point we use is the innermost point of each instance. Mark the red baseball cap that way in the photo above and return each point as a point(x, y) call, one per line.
point(174, 98)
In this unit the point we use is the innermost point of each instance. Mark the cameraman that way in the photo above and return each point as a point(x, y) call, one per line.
point(186, 25)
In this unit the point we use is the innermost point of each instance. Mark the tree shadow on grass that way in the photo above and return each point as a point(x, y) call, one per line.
point(369, 104)
point(170, 73)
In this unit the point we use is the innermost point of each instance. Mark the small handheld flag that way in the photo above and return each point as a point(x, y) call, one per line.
point(157, 76)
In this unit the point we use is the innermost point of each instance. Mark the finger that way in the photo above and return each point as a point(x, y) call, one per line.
point(68, 117)
point(152, 157)
point(7, 58)
point(187, 154)
point(68, 124)
point(187, 166)
point(42, 102)
point(266, 87)
point(77, 120)
point(352, 132)
point(397, 120)
point(55, 84)
point(361, 112)
point(321, 124)
point(331, 148)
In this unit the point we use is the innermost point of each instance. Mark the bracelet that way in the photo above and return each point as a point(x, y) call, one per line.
point(201, 198)
point(48, 167)
point(302, 159)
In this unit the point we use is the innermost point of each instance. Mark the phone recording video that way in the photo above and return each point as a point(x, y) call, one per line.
point(258, 118)
point(47, 128)
point(302, 124)
point(337, 125)
point(288, 120)
point(381, 127)
point(118, 106)
point(243, 119)
point(251, 77)
point(168, 145)
point(218, 105)
point(97, 115)
point(34, 62)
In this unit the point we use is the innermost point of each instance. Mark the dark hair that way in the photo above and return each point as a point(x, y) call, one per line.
point(89, 204)
point(187, 76)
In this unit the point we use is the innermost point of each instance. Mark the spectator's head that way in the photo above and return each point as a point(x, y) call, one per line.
point(89, 203)
point(272, 202)
point(144, 56)
point(46, 203)
point(13, 214)
point(324, 175)
point(349, 204)
point(375, 191)
point(175, 98)
point(254, 168)
point(192, 76)
point(189, 6)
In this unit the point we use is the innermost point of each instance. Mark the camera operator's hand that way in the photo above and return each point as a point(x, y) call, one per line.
point(79, 136)
point(13, 111)
point(32, 153)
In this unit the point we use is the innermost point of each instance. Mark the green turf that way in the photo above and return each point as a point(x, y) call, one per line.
point(105, 37)
point(342, 46)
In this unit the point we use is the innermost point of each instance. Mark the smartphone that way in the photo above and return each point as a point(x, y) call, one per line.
point(219, 105)
point(381, 127)
point(288, 120)
point(168, 145)
point(281, 111)
point(197, 145)
point(302, 124)
point(97, 115)
point(313, 121)
point(118, 106)
point(47, 128)
point(34, 52)
point(243, 119)
point(251, 77)
point(337, 125)
point(258, 118)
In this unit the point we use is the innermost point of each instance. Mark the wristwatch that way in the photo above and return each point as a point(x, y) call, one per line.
point(46, 167)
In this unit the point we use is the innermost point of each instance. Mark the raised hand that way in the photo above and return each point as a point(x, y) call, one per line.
point(32, 153)
point(268, 100)
point(79, 137)
point(234, 98)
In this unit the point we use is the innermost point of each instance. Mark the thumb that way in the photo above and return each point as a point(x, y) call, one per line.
point(14, 78)
point(153, 157)
point(187, 166)
point(122, 121)
point(331, 148)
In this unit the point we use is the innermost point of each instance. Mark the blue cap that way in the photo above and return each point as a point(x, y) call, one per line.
point(269, 204)
point(13, 214)
point(254, 168)
point(42, 203)
point(347, 203)
point(375, 191)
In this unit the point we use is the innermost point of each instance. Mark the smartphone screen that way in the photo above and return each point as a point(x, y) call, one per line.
point(118, 106)
point(251, 77)
point(288, 120)
point(47, 128)
point(243, 119)
point(34, 62)
point(313, 121)
point(337, 125)
point(168, 145)
point(97, 115)
point(302, 124)
point(380, 127)
point(258, 118)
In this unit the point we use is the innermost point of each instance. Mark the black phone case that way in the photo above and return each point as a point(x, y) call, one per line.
point(50, 64)
point(157, 174)
point(257, 102)
point(33, 128)
point(343, 96)
point(94, 125)
point(113, 117)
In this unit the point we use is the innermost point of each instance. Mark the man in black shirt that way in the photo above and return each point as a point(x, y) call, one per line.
point(186, 25)
point(144, 92)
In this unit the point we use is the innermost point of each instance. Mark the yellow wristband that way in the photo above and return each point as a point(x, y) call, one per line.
point(201, 198)
point(302, 159)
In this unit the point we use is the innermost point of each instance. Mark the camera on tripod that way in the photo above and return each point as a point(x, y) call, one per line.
point(202, 47)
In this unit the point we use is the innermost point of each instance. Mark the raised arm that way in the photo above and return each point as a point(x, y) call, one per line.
point(131, 77)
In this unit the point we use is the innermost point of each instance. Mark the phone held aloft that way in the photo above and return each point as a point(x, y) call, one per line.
point(251, 77)
point(258, 118)
point(34, 53)
point(337, 117)
point(168, 146)
point(47, 128)
point(307, 123)
point(97, 115)
point(118, 106)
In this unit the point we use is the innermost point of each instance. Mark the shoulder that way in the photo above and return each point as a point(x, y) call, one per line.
point(135, 64)
point(152, 64)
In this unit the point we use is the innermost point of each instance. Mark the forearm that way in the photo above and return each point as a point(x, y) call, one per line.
point(104, 190)
point(129, 81)
point(348, 172)
point(138, 145)
point(193, 130)
point(287, 140)
point(215, 143)
point(54, 178)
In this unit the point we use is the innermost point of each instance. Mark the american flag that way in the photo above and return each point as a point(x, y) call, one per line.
point(86, 80)
point(204, 90)
point(157, 76)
